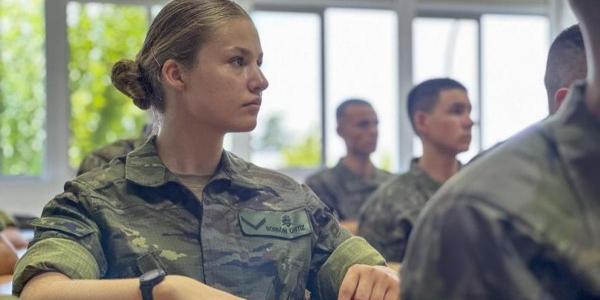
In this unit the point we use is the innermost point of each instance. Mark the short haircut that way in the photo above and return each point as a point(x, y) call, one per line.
point(425, 95)
point(341, 109)
point(566, 62)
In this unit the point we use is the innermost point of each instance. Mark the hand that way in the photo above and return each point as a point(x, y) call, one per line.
point(176, 287)
point(8, 256)
point(15, 237)
point(370, 283)
point(351, 225)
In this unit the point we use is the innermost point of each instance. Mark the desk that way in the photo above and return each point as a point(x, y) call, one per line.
point(5, 284)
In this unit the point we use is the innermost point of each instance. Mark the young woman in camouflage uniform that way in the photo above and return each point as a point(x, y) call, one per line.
point(217, 225)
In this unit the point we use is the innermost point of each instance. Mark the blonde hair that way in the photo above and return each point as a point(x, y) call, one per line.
point(178, 32)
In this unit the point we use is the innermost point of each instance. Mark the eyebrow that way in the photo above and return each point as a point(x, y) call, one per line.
point(243, 50)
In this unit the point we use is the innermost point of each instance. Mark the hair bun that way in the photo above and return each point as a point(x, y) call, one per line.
point(126, 77)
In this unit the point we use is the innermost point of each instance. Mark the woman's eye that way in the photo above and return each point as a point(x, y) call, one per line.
point(238, 61)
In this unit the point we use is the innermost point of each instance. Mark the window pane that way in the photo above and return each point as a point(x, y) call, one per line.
point(288, 132)
point(514, 56)
point(99, 35)
point(22, 87)
point(362, 62)
point(452, 53)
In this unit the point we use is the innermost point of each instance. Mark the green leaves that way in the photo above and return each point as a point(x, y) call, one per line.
point(100, 35)
point(22, 90)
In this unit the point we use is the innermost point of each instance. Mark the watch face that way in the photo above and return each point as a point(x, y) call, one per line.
point(151, 276)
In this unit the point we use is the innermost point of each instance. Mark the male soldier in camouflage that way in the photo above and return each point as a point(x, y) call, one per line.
point(106, 153)
point(523, 221)
point(345, 187)
point(439, 113)
point(179, 217)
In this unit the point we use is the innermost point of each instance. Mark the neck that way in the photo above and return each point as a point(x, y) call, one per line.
point(189, 150)
point(439, 165)
point(359, 164)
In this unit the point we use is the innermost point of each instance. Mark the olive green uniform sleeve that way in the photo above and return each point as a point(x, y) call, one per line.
point(66, 241)
point(335, 251)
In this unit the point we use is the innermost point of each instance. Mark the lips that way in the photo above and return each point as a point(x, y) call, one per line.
point(255, 102)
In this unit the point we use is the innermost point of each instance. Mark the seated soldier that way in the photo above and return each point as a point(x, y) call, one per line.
point(522, 221)
point(181, 218)
point(345, 187)
point(106, 153)
point(439, 112)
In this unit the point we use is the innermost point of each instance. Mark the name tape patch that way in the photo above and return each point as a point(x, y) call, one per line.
point(282, 224)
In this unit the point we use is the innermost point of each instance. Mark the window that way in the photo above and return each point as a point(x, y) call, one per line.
point(99, 35)
point(361, 62)
point(514, 60)
point(453, 53)
point(22, 87)
point(506, 89)
point(288, 132)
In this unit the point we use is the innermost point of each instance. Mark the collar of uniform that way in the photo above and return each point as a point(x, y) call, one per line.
point(577, 134)
point(353, 182)
point(423, 178)
point(144, 167)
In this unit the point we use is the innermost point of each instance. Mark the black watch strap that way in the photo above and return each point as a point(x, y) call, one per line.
point(149, 280)
point(147, 292)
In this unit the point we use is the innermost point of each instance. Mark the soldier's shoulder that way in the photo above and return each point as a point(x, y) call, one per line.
point(391, 192)
point(115, 149)
point(321, 176)
point(507, 177)
point(275, 180)
point(397, 184)
point(101, 177)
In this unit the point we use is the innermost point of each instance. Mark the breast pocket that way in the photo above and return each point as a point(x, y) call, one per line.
point(279, 245)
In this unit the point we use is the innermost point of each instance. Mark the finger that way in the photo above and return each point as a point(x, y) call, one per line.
point(366, 283)
point(380, 288)
point(349, 284)
point(393, 293)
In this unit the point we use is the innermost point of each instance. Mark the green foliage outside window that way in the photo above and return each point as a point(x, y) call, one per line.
point(99, 35)
point(296, 151)
point(22, 91)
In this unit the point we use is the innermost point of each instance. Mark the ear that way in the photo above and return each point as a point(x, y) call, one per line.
point(559, 97)
point(173, 74)
point(420, 120)
point(339, 130)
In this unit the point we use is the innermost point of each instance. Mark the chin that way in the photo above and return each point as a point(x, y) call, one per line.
point(243, 127)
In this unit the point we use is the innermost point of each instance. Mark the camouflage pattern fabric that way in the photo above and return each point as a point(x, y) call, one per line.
point(522, 222)
point(256, 233)
point(343, 191)
point(389, 215)
point(102, 156)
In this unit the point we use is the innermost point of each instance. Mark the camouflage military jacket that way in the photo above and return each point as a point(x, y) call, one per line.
point(343, 191)
point(388, 216)
point(105, 154)
point(256, 233)
point(521, 222)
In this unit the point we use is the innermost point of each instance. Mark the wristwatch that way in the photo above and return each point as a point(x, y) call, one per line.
point(150, 279)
